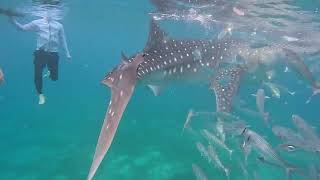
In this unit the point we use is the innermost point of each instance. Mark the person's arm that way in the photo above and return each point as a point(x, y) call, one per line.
point(64, 42)
point(24, 27)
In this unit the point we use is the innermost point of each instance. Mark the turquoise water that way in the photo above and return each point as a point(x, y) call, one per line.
point(57, 141)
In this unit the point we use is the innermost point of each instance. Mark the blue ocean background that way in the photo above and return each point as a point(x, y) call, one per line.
point(57, 141)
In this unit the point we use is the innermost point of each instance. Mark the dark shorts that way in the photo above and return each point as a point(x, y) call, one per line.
point(44, 59)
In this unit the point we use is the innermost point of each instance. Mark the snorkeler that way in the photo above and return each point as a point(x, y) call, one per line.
point(50, 35)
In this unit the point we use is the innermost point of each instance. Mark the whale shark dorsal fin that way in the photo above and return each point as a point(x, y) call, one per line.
point(225, 85)
point(156, 36)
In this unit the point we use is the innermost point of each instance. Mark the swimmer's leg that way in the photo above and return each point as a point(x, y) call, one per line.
point(39, 64)
point(53, 62)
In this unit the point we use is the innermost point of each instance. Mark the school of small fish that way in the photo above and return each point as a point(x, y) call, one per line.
point(232, 126)
point(304, 139)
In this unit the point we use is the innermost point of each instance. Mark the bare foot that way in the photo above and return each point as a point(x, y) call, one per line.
point(42, 99)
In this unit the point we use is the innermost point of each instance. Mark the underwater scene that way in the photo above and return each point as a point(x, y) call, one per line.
point(160, 90)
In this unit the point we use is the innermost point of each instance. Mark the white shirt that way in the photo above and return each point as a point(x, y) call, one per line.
point(50, 34)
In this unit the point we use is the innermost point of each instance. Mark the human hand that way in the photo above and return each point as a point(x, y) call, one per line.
point(69, 57)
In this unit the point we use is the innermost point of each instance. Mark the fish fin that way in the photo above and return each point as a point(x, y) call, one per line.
point(315, 92)
point(156, 36)
point(230, 154)
point(284, 147)
point(225, 91)
point(122, 81)
point(228, 171)
point(188, 120)
point(155, 89)
point(286, 69)
point(254, 95)
point(222, 34)
point(226, 31)
point(266, 118)
point(290, 169)
point(292, 93)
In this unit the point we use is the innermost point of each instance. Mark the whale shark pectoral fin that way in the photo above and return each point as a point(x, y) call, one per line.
point(225, 85)
point(122, 82)
point(155, 89)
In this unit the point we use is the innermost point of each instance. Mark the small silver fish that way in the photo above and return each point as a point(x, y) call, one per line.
point(256, 176)
point(244, 170)
point(292, 141)
point(274, 89)
point(286, 134)
point(255, 95)
point(260, 99)
point(203, 151)
point(188, 120)
point(307, 132)
point(220, 129)
point(287, 147)
point(265, 150)
point(214, 156)
point(198, 172)
point(246, 148)
point(215, 140)
point(305, 129)
point(234, 128)
point(313, 172)
point(284, 89)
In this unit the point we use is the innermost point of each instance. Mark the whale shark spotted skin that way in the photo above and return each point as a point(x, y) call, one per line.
point(166, 60)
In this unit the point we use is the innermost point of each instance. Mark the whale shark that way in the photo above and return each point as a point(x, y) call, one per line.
point(221, 64)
